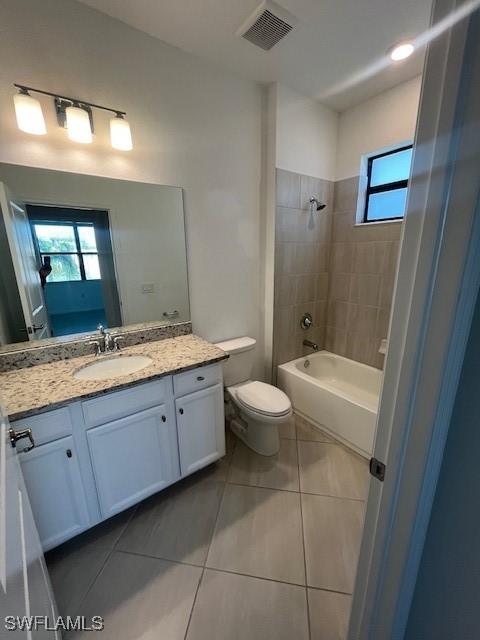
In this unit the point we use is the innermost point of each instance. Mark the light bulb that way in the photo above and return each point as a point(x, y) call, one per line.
point(120, 134)
point(402, 51)
point(29, 114)
point(78, 125)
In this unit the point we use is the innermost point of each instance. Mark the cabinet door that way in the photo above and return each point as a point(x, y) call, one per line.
point(201, 429)
point(54, 484)
point(132, 458)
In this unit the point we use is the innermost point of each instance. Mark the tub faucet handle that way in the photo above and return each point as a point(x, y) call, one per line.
point(306, 321)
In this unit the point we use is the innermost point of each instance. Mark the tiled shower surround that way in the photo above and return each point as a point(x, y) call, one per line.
point(342, 273)
point(302, 255)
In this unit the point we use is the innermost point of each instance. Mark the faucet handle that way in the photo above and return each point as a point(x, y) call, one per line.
point(101, 328)
point(96, 344)
point(116, 341)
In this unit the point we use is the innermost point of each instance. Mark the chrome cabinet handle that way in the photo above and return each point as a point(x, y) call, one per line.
point(19, 435)
point(170, 314)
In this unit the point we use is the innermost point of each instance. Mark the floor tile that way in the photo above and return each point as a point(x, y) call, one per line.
point(329, 614)
point(141, 597)
point(331, 470)
point(234, 607)
point(259, 533)
point(275, 472)
point(307, 431)
point(176, 524)
point(103, 535)
point(287, 429)
point(72, 574)
point(74, 565)
point(333, 531)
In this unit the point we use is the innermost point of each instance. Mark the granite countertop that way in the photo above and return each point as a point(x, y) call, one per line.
point(43, 387)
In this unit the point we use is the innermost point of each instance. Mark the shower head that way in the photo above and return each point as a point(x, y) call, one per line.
point(314, 202)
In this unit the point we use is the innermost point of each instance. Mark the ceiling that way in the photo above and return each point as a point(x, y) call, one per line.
point(332, 53)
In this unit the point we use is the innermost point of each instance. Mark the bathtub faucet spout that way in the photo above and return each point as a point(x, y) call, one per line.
point(312, 345)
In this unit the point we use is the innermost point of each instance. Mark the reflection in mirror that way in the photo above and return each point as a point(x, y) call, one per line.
point(77, 251)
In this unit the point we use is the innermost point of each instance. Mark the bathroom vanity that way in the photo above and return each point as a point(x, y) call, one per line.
point(102, 446)
point(113, 428)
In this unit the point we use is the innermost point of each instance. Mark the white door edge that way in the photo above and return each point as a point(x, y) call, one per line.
point(436, 289)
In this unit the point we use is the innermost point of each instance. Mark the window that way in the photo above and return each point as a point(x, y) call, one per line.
point(387, 184)
point(72, 249)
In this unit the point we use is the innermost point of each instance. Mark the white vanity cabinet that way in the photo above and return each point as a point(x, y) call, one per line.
point(97, 457)
point(52, 477)
point(200, 425)
point(132, 458)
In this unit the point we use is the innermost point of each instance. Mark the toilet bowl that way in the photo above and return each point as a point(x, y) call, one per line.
point(258, 408)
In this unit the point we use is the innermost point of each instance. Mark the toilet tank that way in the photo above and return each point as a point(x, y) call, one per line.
point(238, 368)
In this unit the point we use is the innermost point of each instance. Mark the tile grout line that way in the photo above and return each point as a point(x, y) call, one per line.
point(305, 493)
point(227, 471)
point(108, 556)
point(303, 540)
point(234, 573)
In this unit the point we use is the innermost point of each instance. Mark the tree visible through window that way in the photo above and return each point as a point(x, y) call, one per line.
point(72, 249)
point(387, 184)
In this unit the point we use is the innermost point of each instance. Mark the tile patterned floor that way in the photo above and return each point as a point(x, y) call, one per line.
point(251, 548)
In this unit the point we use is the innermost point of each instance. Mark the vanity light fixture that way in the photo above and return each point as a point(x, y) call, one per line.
point(78, 124)
point(73, 114)
point(120, 134)
point(401, 51)
point(28, 112)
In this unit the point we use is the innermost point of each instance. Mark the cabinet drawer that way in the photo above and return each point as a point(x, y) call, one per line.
point(48, 426)
point(119, 404)
point(197, 379)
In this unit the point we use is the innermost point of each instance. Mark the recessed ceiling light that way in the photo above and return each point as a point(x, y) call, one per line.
point(401, 51)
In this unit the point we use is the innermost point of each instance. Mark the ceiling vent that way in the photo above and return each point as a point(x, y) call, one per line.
point(268, 24)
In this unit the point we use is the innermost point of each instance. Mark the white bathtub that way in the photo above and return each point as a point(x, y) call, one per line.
point(336, 394)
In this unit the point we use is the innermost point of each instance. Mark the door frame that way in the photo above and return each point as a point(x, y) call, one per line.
point(437, 284)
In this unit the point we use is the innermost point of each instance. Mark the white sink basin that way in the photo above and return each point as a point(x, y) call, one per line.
point(107, 368)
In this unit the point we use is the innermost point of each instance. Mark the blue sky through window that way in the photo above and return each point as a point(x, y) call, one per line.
point(395, 166)
point(387, 186)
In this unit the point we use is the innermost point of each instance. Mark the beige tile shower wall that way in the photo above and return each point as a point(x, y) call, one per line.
point(362, 270)
point(302, 256)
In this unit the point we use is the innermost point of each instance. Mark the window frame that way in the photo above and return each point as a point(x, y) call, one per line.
point(79, 253)
point(385, 187)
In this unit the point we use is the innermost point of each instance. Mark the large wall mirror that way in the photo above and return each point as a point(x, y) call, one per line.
point(77, 251)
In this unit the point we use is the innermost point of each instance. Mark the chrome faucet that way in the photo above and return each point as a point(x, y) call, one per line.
point(312, 345)
point(107, 338)
point(107, 343)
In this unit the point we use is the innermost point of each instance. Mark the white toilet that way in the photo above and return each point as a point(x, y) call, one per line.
point(259, 407)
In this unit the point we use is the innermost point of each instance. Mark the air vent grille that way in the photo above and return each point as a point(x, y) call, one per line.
point(267, 30)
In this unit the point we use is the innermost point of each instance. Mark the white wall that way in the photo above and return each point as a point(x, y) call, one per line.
point(306, 135)
point(386, 119)
point(193, 126)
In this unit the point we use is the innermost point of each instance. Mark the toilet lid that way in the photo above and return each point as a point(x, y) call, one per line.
point(264, 398)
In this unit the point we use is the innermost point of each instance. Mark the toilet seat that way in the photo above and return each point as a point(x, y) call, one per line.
point(263, 399)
